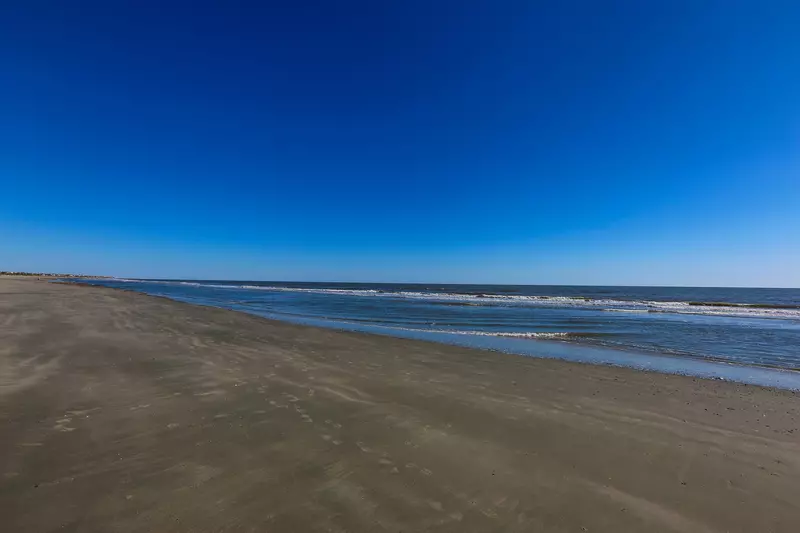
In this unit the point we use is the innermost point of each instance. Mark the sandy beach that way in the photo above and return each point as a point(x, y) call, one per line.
point(121, 412)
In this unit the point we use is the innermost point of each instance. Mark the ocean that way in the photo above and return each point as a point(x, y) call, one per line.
point(744, 334)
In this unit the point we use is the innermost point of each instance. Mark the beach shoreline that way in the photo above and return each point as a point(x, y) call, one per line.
point(127, 412)
point(537, 338)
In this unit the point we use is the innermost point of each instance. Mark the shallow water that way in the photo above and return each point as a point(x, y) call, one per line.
point(712, 332)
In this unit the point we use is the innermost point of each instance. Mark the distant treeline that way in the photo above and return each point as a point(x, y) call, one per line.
point(45, 274)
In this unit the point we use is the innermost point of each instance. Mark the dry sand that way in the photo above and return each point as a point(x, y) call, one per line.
point(121, 412)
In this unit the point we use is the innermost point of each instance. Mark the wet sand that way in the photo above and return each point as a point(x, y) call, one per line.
point(121, 412)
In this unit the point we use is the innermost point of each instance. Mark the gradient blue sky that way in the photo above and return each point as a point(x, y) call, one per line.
point(577, 142)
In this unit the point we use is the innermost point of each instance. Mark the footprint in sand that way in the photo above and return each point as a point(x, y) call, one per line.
point(363, 447)
point(210, 393)
point(435, 505)
point(82, 412)
point(414, 466)
point(388, 463)
point(491, 513)
point(61, 424)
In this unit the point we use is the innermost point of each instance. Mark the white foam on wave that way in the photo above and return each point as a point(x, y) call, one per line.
point(630, 306)
point(517, 334)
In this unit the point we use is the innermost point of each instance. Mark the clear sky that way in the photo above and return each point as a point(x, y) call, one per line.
point(577, 142)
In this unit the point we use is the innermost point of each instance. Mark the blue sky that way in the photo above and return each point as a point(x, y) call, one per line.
point(451, 141)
